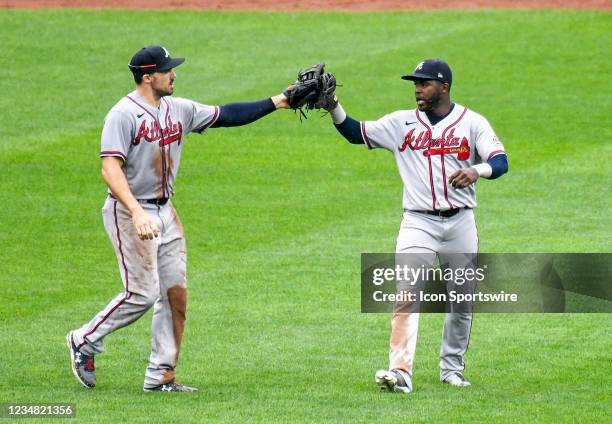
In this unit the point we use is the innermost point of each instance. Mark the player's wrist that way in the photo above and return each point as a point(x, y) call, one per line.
point(280, 101)
point(483, 169)
point(135, 208)
point(338, 114)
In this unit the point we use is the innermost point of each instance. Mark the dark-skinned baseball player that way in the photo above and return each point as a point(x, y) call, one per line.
point(441, 150)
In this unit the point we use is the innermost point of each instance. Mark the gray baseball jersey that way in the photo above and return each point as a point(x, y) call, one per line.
point(150, 140)
point(427, 155)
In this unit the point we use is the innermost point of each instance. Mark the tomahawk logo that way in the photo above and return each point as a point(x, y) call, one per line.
point(166, 51)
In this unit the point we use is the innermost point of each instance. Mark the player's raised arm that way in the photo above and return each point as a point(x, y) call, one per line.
point(243, 113)
point(302, 92)
point(347, 126)
point(374, 134)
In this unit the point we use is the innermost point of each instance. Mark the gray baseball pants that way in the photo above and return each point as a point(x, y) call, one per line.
point(154, 275)
point(455, 241)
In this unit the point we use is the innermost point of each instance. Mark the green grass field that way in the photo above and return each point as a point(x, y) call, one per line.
point(278, 212)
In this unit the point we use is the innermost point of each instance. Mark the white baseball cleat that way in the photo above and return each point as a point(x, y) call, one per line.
point(393, 381)
point(457, 380)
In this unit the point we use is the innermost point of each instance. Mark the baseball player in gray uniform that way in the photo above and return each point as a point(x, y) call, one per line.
point(142, 141)
point(441, 149)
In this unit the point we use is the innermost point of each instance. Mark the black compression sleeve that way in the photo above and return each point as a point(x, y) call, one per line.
point(499, 166)
point(351, 130)
point(236, 114)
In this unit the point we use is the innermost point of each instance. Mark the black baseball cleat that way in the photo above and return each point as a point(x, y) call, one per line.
point(83, 366)
point(394, 381)
point(170, 387)
point(457, 380)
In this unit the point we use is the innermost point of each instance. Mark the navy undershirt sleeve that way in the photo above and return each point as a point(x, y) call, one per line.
point(499, 165)
point(236, 114)
point(351, 130)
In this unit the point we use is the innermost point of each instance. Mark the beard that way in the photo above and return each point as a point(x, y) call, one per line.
point(162, 92)
point(431, 103)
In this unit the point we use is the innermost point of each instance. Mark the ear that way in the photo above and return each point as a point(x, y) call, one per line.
point(146, 78)
point(445, 87)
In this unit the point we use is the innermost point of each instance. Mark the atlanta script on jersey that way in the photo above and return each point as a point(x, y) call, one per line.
point(427, 155)
point(150, 140)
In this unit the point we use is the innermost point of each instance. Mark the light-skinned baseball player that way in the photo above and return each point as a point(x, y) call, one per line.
point(441, 149)
point(142, 141)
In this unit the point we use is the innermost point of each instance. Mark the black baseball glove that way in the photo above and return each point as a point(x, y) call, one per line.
point(305, 90)
point(327, 93)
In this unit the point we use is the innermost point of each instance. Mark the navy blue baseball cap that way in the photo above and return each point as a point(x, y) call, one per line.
point(153, 59)
point(431, 69)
